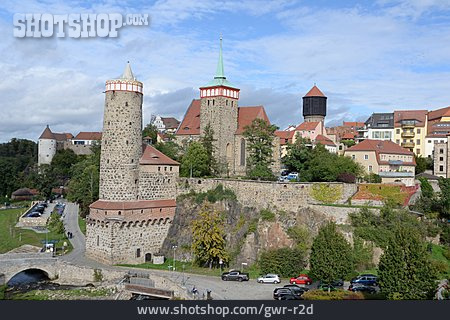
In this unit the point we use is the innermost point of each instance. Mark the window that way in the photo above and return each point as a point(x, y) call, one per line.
point(429, 141)
point(242, 162)
point(138, 253)
point(353, 157)
point(366, 157)
point(441, 150)
point(370, 168)
point(441, 158)
point(398, 131)
point(441, 168)
point(417, 151)
point(418, 130)
point(418, 142)
point(398, 141)
point(98, 240)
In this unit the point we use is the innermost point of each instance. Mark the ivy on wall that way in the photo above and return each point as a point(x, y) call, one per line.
point(326, 193)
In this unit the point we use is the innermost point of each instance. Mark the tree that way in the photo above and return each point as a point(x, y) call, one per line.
point(195, 162)
point(84, 185)
point(151, 131)
point(62, 164)
point(208, 238)
point(169, 148)
point(444, 197)
point(207, 140)
point(426, 188)
point(55, 223)
point(421, 164)
point(260, 135)
point(331, 255)
point(298, 157)
point(284, 261)
point(405, 271)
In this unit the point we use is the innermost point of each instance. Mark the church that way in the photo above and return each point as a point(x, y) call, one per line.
point(218, 107)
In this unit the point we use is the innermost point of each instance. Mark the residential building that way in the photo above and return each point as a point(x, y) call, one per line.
point(438, 129)
point(385, 158)
point(379, 126)
point(166, 124)
point(326, 142)
point(441, 159)
point(411, 130)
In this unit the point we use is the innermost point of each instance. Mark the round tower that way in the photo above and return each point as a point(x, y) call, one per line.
point(121, 146)
point(314, 105)
point(46, 146)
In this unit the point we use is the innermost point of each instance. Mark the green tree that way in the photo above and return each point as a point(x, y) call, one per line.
point(331, 255)
point(207, 140)
point(284, 261)
point(195, 161)
point(169, 148)
point(55, 223)
point(208, 237)
point(84, 185)
point(444, 197)
point(260, 135)
point(348, 143)
point(62, 164)
point(421, 164)
point(151, 131)
point(405, 271)
point(298, 157)
point(426, 188)
point(47, 180)
point(362, 254)
point(301, 236)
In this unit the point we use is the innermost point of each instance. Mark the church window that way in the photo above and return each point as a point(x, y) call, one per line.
point(242, 152)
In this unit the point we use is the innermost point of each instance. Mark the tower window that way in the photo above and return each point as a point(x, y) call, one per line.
point(126, 142)
point(213, 102)
point(126, 104)
point(98, 241)
point(226, 102)
point(170, 168)
point(120, 213)
point(208, 103)
point(138, 253)
point(132, 160)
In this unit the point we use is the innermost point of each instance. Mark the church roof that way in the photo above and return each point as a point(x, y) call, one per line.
point(191, 121)
point(247, 114)
point(153, 156)
point(314, 92)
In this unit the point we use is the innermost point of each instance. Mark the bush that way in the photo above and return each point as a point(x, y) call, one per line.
point(219, 193)
point(333, 295)
point(285, 261)
point(446, 253)
point(372, 178)
point(346, 177)
point(267, 215)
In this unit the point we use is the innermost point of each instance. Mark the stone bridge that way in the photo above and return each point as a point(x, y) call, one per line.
point(55, 268)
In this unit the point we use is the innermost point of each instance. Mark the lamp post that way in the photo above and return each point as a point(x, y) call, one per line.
point(174, 250)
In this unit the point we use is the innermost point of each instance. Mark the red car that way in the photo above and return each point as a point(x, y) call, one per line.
point(301, 279)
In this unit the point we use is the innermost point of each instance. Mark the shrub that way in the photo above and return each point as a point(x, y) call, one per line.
point(446, 253)
point(326, 193)
point(333, 295)
point(98, 275)
point(346, 177)
point(285, 261)
point(267, 215)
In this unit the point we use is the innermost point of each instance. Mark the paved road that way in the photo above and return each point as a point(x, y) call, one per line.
point(222, 290)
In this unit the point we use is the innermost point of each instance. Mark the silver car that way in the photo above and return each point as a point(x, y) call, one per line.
point(269, 278)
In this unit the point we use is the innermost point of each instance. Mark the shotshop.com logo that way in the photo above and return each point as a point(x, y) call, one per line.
point(84, 25)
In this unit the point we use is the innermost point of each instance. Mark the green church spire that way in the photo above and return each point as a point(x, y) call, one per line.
point(219, 78)
point(219, 72)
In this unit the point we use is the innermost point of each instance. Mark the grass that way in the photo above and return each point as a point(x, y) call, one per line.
point(437, 255)
point(82, 224)
point(189, 267)
point(12, 237)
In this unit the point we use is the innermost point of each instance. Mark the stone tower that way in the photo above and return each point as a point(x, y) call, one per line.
point(219, 108)
point(136, 205)
point(314, 105)
point(46, 147)
point(121, 146)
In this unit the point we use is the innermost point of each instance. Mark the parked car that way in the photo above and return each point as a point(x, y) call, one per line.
point(293, 176)
point(287, 293)
point(366, 279)
point(301, 279)
point(235, 275)
point(293, 285)
point(269, 278)
point(357, 287)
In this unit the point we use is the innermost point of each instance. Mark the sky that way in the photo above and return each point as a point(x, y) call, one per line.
point(366, 56)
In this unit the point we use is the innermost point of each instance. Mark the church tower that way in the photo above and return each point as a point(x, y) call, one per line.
point(219, 109)
point(314, 105)
point(121, 146)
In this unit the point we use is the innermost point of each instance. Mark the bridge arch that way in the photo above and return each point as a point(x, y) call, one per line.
point(41, 272)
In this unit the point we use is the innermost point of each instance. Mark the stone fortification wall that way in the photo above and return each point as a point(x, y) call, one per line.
point(263, 194)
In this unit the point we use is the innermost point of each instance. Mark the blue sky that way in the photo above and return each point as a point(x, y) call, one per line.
point(366, 56)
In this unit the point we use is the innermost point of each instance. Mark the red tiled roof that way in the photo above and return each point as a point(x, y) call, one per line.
point(348, 135)
point(382, 146)
point(247, 114)
point(89, 136)
point(170, 123)
point(155, 157)
point(324, 140)
point(47, 134)
point(439, 113)
point(307, 126)
point(285, 136)
point(191, 121)
point(314, 92)
point(131, 205)
point(353, 124)
point(419, 115)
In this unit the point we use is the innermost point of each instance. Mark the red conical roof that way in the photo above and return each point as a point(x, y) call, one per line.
point(47, 134)
point(314, 92)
